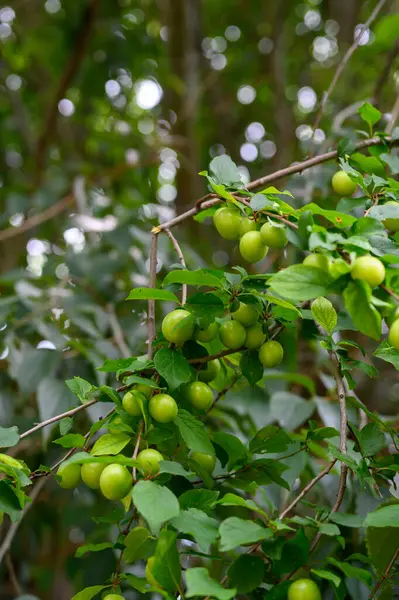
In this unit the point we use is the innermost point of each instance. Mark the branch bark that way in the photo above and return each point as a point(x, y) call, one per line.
point(179, 253)
point(151, 303)
point(68, 413)
point(385, 574)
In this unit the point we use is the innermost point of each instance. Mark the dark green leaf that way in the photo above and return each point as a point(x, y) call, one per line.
point(246, 573)
point(195, 522)
point(300, 282)
point(355, 572)
point(157, 504)
point(388, 353)
point(199, 278)
point(201, 499)
point(9, 502)
point(166, 569)
point(235, 532)
point(371, 439)
point(152, 294)
point(173, 367)
point(357, 298)
point(138, 544)
point(369, 113)
point(194, 433)
point(92, 548)
point(81, 388)
point(251, 367)
point(71, 440)
point(199, 583)
point(270, 439)
point(9, 436)
point(234, 447)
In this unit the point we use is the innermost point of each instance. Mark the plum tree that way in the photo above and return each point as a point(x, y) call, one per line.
point(69, 475)
point(199, 395)
point(178, 326)
point(273, 236)
point(255, 336)
point(304, 589)
point(227, 221)
point(149, 574)
point(149, 460)
point(342, 184)
point(232, 334)
point(132, 402)
point(252, 248)
point(271, 354)
point(163, 408)
point(206, 334)
point(115, 481)
point(246, 314)
point(246, 225)
point(206, 461)
point(317, 260)
point(91, 473)
point(370, 269)
point(209, 371)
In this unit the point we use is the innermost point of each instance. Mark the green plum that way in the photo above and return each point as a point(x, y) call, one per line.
point(304, 589)
point(131, 402)
point(206, 461)
point(210, 371)
point(206, 334)
point(70, 475)
point(320, 261)
point(342, 184)
point(247, 314)
point(271, 354)
point(115, 481)
point(391, 223)
point(252, 248)
point(149, 460)
point(369, 269)
point(227, 221)
point(91, 473)
point(255, 337)
point(163, 408)
point(246, 225)
point(178, 326)
point(273, 236)
point(232, 334)
point(198, 394)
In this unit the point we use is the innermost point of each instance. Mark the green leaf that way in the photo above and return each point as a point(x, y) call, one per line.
point(138, 543)
point(138, 583)
point(355, 572)
point(201, 499)
point(225, 171)
point(339, 219)
point(174, 468)
point(324, 313)
point(357, 299)
point(9, 502)
point(299, 378)
point(195, 522)
point(280, 302)
point(81, 388)
point(199, 278)
point(346, 520)
point(143, 293)
point(92, 548)
point(387, 516)
point(371, 439)
point(300, 282)
point(66, 425)
point(246, 573)
point(157, 504)
point(392, 162)
point(89, 592)
point(290, 410)
point(71, 440)
point(173, 367)
point(384, 211)
point(110, 443)
point(194, 433)
point(388, 353)
point(270, 439)
point(206, 307)
point(166, 569)
point(234, 447)
point(199, 583)
point(235, 532)
point(294, 554)
point(251, 367)
point(234, 500)
point(9, 436)
point(369, 114)
point(83, 458)
point(323, 574)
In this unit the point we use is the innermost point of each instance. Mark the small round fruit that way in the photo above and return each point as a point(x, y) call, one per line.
point(115, 482)
point(70, 475)
point(144, 389)
point(91, 473)
point(232, 334)
point(391, 223)
point(252, 248)
point(369, 269)
point(113, 597)
point(255, 337)
point(271, 354)
point(394, 334)
point(199, 395)
point(178, 326)
point(246, 314)
point(131, 404)
point(320, 261)
point(247, 225)
point(227, 222)
point(210, 372)
point(207, 334)
point(149, 460)
point(342, 184)
point(148, 572)
point(304, 589)
point(272, 236)
point(163, 408)
point(206, 461)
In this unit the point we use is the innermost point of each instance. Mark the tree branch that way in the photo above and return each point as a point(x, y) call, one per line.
point(179, 253)
point(68, 413)
point(136, 449)
point(151, 303)
point(385, 574)
point(344, 62)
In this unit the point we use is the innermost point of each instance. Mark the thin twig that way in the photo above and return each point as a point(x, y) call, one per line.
point(344, 62)
point(179, 253)
point(394, 116)
point(117, 332)
point(136, 449)
point(13, 575)
point(151, 284)
point(224, 391)
point(385, 574)
point(204, 359)
point(68, 413)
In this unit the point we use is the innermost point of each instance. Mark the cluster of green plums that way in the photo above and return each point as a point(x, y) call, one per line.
point(255, 237)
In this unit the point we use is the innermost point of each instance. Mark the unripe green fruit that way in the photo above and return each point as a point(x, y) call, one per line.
point(391, 224)
point(178, 326)
point(247, 225)
point(148, 572)
point(272, 236)
point(369, 269)
point(70, 475)
point(144, 389)
point(246, 314)
point(319, 261)
point(304, 589)
point(394, 334)
point(91, 473)
point(163, 408)
point(232, 334)
point(210, 372)
point(252, 248)
point(149, 460)
point(131, 404)
point(206, 461)
point(198, 394)
point(114, 597)
point(227, 221)
point(342, 184)
point(207, 334)
point(255, 337)
point(115, 482)
point(271, 354)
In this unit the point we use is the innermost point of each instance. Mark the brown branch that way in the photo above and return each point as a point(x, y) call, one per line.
point(204, 359)
point(75, 60)
point(68, 413)
point(179, 253)
point(224, 391)
point(136, 449)
point(385, 574)
point(13, 575)
point(344, 62)
point(151, 303)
